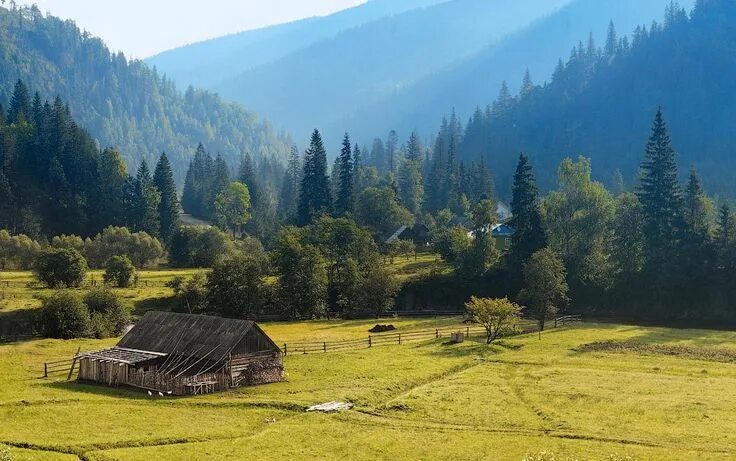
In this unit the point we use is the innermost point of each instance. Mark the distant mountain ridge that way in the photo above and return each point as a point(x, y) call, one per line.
point(322, 81)
point(210, 62)
point(124, 103)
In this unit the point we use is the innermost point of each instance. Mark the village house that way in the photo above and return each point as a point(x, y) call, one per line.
point(185, 354)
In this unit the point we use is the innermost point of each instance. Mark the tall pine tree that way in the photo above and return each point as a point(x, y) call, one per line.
point(659, 194)
point(314, 198)
point(345, 192)
point(247, 176)
point(168, 208)
point(529, 235)
point(146, 202)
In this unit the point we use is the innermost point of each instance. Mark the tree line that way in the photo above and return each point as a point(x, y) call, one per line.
point(660, 250)
point(55, 180)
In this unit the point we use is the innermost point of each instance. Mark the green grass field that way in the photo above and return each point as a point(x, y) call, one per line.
point(425, 400)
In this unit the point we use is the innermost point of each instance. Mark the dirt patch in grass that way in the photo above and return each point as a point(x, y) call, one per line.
point(710, 354)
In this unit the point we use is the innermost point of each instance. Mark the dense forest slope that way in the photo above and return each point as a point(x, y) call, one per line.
point(478, 78)
point(601, 102)
point(124, 103)
point(210, 62)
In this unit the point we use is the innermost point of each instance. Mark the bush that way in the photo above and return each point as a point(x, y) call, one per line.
point(191, 295)
point(108, 315)
point(73, 242)
point(61, 268)
point(17, 251)
point(119, 271)
point(195, 246)
point(64, 316)
point(142, 249)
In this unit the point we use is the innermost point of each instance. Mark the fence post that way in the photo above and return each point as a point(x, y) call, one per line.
point(436, 333)
point(45, 370)
point(324, 346)
point(467, 332)
point(399, 338)
point(285, 349)
point(370, 342)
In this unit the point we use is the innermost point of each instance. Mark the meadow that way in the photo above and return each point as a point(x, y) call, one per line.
point(589, 391)
point(579, 392)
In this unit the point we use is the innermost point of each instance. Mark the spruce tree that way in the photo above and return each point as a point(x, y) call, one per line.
point(289, 193)
point(20, 104)
point(527, 86)
point(529, 235)
point(146, 202)
point(314, 198)
point(414, 147)
point(611, 41)
point(697, 209)
point(247, 176)
point(725, 246)
point(198, 185)
point(345, 194)
point(168, 208)
point(659, 194)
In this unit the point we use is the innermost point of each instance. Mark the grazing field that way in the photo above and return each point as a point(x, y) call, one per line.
point(592, 391)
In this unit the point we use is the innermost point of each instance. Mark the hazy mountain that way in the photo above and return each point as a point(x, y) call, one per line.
point(210, 62)
point(602, 104)
point(476, 81)
point(346, 64)
point(124, 103)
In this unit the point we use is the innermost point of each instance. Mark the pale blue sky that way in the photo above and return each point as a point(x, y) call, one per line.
point(141, 28)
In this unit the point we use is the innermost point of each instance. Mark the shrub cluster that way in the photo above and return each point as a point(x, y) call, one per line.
point(66, 315)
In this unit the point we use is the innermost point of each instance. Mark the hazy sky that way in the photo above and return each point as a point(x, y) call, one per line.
point(141, 28)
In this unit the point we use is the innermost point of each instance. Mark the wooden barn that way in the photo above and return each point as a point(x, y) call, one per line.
point(184, 354)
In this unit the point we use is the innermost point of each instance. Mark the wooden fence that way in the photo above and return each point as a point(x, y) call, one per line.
point(60, 367)
point(384, 339)
point(85, 284)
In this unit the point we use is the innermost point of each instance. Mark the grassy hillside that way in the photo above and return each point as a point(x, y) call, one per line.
point(415, 401)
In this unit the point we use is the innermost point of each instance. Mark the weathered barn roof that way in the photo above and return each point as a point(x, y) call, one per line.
point(198, 336)
point(395, 236)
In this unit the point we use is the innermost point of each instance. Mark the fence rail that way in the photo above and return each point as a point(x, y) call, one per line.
point(384, 339)
point(60, 367)
point(85, 284)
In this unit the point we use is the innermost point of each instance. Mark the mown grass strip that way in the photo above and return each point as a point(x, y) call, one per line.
point(709, 354)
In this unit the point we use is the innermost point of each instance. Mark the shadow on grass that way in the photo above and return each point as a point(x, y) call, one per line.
point(161, 303)
point(101, 390)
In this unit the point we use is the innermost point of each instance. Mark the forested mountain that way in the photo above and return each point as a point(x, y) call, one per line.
point(124, 103)
point(320, 82)
point(210, 62)
point(600, 102)
point(478, 78)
